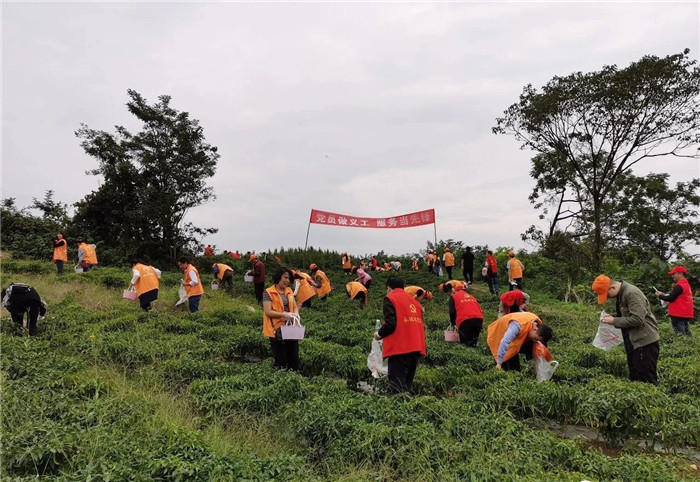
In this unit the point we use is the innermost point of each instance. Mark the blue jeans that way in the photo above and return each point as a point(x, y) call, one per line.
point(193, 302)
point(681, 325)
point(493, 283)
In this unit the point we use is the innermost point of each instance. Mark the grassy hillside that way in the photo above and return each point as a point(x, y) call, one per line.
point(107, 392)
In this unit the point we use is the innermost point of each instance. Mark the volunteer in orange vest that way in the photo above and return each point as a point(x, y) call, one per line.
point(304, 288)
point(347, 263)
point(224, 273)
point(321, 280)
point(418, 293)
point(403, 335)
point(465, 313)
point(448, 260)
point(144, 280)
point(357, 291)
point(513, 334)
point(278, 307)
point(87, 255)
point(60, 252)
point(491, 266)
point(452, 282)
point(208, 251)
point(414, 265)
point(192, 283)
point(258, 274)
point(515, 272)
point(680, 301)
point(513, 301)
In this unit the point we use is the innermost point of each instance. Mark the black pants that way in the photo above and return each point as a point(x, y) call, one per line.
point(360, 297)
point(449, 272)
point(402, 369)
point(307, 303)
point(642, 361)
point(147, 298)
point(31, 308)
point(468, 275)
point(259, 288)
point(469, 331)
point(368, 284)
point(227, 279)
point(59, 267)
point(513, 364)
point(518, 284)
point(285, 353)
point(681, 325)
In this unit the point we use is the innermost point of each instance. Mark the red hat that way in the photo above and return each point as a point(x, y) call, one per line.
point(678, 269)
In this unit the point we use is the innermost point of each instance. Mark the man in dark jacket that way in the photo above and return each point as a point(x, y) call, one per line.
point(20, 298)
point(468, 265)
point(258, 274)
point(639, 329)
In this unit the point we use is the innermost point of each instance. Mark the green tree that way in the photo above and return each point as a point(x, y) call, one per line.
point(152, 178)
point(588, 129)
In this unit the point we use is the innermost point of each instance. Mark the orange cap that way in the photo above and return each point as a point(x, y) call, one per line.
point(313, 266)
point(253, 257)
point(600, 287)
point(429, 295)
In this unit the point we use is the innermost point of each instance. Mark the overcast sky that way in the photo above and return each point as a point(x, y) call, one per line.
point(356, 108)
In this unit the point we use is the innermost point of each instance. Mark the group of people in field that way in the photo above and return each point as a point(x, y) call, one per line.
point(516, 330)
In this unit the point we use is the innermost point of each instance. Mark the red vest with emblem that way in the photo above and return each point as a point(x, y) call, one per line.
point(492, 263)
point(409, 335)
point(467, 307)
point(682, 307)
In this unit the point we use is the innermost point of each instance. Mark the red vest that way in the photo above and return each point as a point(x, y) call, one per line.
point(509, 298)
point(467, 307)
point(682, 307)
point(409, 335)
point(493, 265)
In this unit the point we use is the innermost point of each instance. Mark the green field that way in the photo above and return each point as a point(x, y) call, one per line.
point(107, 392)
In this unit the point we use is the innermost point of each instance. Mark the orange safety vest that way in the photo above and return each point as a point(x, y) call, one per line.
point(682, 307)
point(455, 283)
point(412, 290)
point(89, 254)
point(148, 279)
point(467, 307)
point(222, 269)
point(516, 268)
point(354, 288)
point(270, 325)
point(497, 330)
point(414, 266)
point(431, 260)
point(409, 335)
point(449, 259)
point(306, 291)
point(347, 262)
point(61, 253)
point(325, 287)
point(197, 289)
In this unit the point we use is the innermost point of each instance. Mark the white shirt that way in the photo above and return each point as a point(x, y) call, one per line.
point(137, 275)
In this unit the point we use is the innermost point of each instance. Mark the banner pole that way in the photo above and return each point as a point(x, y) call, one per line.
point(307, 235)
point(435, 228)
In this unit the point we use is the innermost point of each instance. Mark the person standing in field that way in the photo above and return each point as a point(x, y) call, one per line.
point(278, 307)
point(87, 255)
point(465, 314)
point(347, 263)
point(467, 265)
point(192, 283)
point(304, 288)
point(20, 299)
point(145, 280)
point(513, 334)
point(492, 272)
point(513, 302)
point(60, 252)
point(362, 277)
point(414, 265)
point(208, 251)
point(448, 260)
point(515, 272)
point(633, 316)
point(321, 280)
point(375, 263)
point(258, 274)
point(403, 335)
point(224, 273)
point(357, 291)
point(430, 262)
point(680, 301)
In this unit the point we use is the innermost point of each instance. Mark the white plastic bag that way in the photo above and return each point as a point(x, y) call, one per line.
point(182, 293)
point(608, 337)
point(544, 369)
point(376, 364)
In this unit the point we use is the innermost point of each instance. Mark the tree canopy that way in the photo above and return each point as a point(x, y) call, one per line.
point(587, 129)
point(151, 179)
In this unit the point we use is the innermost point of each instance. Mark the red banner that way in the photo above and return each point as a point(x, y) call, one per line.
point(410, 220)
